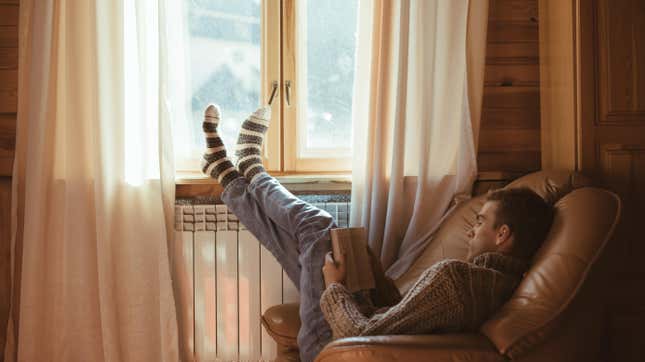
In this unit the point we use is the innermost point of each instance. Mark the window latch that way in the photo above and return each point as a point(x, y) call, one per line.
point(287, 92)
point(273, 91)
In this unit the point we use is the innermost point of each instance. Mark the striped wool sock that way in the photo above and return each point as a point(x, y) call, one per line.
point(215, 163)
point(249, 143)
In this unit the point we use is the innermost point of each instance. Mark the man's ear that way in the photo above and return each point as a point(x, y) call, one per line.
point(503, 234)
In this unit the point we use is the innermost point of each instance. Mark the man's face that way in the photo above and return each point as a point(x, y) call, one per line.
point(483, 235)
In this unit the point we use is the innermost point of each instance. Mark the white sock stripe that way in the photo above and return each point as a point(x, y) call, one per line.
point(224, 173)
point(210, 168)
point(242, 159)
point(211, 134)
point(251, 133)
point(220, 160)
point(211, 150)
point(246, 172)
point(242, 146)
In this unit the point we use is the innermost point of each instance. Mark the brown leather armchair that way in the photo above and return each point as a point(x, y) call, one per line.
point(557, 313)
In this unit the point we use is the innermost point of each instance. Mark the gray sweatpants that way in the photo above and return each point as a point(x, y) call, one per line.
point(297, 234)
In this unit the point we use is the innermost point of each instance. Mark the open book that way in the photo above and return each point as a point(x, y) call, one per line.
point(352, 242)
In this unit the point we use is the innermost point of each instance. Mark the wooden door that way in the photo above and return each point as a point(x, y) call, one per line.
point(611, 106)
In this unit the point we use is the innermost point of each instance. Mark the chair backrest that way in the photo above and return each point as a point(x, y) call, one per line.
point(585, 219)
point(450, 241)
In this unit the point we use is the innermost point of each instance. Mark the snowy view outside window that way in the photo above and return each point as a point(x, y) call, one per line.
point(330, 43)
point(225, 63)
point(225, 58)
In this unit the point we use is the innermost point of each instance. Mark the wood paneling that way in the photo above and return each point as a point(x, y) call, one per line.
point(509, 118)
point(621, 61)
point(509, 140)
point(9, 14)
point(8, 103)
point(512, 53)
point(7, 143)
point(8, 36)
point(8, 58)
point(623, 171)
point(512, 74)
point(517, 161)
point(527, 98)
point(512, 32)
point(5, 254)
point(8, 91)
point(509, 137)
point(512, 10)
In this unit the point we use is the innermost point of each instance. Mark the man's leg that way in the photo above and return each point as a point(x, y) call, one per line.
point(296, 232)
point(310, 226)
point(250, 213)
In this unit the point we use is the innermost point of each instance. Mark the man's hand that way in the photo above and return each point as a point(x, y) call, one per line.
point(334, 271)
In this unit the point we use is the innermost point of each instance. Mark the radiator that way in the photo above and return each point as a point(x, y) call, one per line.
point(226, 279)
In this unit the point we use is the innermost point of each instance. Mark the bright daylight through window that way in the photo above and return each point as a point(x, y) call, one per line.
point(233, 58)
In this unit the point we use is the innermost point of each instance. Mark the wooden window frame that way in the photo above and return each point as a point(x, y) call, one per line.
point(279, 50)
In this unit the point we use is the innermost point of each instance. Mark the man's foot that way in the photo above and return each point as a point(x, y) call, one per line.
point(215, 163)
point(249, 143)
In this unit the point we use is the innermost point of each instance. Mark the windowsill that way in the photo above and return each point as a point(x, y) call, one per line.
point(192, 178)
point(197, 178)
point(195, 184)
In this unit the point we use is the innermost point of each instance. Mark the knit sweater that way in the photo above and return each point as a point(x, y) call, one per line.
point(450, 296)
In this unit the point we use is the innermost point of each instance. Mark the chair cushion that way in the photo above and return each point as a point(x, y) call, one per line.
point(585, 219)
point(451, 239)
point(282, 322)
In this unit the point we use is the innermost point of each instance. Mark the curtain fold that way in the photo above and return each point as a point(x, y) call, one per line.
point(416, 124)
point(93, 186)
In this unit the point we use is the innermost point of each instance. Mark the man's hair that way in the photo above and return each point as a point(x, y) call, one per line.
point(528, 216)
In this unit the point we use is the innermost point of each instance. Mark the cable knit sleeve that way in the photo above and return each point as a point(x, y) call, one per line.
point(433, 303)
point(341, 311)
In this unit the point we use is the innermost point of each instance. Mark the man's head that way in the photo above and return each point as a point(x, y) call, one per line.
point(511, 221)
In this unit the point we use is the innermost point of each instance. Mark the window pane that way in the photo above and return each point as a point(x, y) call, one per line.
point(330, 48)
point(224, 64)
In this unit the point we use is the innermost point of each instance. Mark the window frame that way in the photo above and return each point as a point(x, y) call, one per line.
point(279, 63)
point(293, 127)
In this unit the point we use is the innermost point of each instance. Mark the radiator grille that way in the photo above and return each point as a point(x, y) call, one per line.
point(226, 279)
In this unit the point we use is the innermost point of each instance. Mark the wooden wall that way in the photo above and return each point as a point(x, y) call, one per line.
point(8, 107)
point(510, 126)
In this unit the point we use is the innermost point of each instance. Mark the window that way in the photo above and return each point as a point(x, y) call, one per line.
point(237, 50)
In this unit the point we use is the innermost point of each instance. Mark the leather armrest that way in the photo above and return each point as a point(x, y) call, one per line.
point(282, 322)
point(437, 347)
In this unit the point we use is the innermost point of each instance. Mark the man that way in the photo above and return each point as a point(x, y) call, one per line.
point(452, 295)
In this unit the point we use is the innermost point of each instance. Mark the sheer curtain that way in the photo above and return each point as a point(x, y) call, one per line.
point(416, 124)
point(93, 183)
